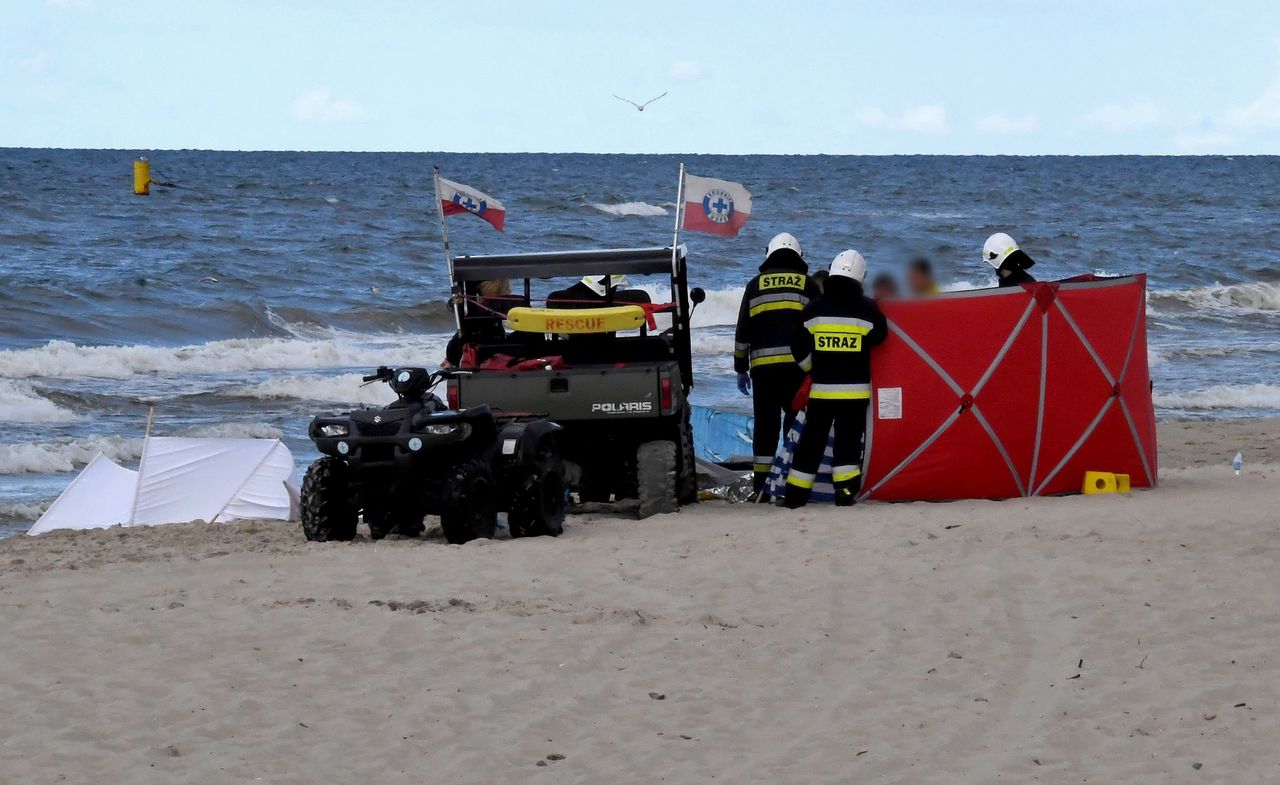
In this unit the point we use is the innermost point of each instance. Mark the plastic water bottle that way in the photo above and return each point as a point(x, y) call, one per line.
point(1237, 463)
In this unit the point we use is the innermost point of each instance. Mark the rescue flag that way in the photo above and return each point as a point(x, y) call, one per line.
point(458, 198)
point(715, 206)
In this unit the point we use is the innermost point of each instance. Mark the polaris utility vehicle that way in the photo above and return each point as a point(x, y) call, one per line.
point(609, 366)
point(396, 464)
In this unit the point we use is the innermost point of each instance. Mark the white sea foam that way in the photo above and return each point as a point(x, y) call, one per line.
point(347, 388)
point(23, 511)
point(642, 209)
point(232, 430)
point(1241, 298)
point(22, 402)
point(65, 455)
point(65, 360)
point(1222, 396)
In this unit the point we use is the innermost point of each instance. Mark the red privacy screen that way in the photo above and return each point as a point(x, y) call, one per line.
point(1012, 392)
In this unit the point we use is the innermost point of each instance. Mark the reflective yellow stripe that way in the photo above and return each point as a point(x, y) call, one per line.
point(806, 364)
point(842, 476)
point(800, 479)
point(831, 395)
point(762, 467)
point(839, 328)
point(782, 306)
point(772, 359)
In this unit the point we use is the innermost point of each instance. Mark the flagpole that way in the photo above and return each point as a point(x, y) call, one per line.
point(448, 256)
point(675, 239)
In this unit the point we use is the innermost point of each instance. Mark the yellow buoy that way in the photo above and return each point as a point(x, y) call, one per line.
point(576, 320)
point(142, 177)
point(1105, 482)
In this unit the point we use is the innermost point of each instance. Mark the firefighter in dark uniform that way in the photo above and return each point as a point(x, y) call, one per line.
point(769, 316)
point(834, 344)
point(1010, 261)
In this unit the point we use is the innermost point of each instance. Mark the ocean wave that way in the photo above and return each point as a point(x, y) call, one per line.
point(347, 388)
point(1228, 300)
point(65, 455)
point(1222, 396)
point(718, 310)
point(22, 402)
point(642, 209)
point(23, 511)
point(232, 430)
point(66, 360)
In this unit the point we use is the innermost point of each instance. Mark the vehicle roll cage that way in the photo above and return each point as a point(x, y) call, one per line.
point(576, 264)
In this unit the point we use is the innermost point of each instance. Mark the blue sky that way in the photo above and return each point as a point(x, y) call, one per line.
point(1124, 76)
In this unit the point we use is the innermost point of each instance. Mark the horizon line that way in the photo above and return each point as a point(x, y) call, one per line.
point(684, 153)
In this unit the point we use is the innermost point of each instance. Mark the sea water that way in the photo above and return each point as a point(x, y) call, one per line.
point(255, 291)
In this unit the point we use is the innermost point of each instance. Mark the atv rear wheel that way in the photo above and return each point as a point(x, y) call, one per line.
point(327, 511)
point(468, 512)
point(656, 476)
point(537, 508)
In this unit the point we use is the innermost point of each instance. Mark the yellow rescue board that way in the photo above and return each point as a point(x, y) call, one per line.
point(576, 321)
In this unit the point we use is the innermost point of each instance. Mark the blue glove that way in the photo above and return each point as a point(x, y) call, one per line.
point(744, 383)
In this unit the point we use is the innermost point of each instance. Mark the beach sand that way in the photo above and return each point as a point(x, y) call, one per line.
point(1101, 639)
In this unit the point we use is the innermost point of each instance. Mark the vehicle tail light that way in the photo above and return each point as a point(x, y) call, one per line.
point(453, 395)
point(666, 394)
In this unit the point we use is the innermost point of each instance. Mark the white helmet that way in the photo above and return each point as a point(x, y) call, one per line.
point(781, 241)
point(849, 264)
point(596, 282)
point(997, 249)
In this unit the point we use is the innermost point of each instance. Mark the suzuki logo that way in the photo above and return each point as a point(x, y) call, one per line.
point(377, 418)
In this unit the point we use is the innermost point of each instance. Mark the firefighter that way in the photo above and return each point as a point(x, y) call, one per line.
point(1009, 261)
point(769, 316)
point(834, 344)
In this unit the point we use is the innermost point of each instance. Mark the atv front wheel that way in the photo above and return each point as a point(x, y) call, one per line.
point(327, 511)
point(469, 511)
point(537, 509)
point(656, 475)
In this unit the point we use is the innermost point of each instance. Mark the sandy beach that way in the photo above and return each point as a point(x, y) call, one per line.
point(1080, 639)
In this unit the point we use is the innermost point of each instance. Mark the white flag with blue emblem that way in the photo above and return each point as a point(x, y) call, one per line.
point(716, 206)
point(458, 198)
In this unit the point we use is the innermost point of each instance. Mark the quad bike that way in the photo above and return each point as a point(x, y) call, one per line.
point(415, 457)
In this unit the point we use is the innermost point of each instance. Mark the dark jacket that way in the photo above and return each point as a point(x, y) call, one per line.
point(770, 312)
point(835, 339)
point(1016, 278)
point(1017, 264)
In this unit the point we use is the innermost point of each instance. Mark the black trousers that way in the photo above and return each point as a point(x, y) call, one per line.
point(849, 418)
point(773, 389)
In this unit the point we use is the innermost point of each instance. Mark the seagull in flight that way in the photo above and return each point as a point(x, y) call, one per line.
point(639, 107)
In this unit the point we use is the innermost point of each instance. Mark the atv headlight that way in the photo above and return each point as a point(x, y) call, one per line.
point(459, 429)
point(332, 430)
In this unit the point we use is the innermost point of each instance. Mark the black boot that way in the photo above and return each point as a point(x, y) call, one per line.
point(845, 497)
point(796, 497)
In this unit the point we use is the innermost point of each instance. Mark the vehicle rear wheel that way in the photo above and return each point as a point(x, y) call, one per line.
point(656, 476)
point(537, 508)
point(327, 510)
point(468, 512)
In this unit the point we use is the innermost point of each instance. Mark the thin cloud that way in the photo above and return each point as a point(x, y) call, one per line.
point(318, 106)
point(927, 119)
point(34, 65)
point(1263, 114)
point(1006, 125)
point(687, 70)
point(1124, 118)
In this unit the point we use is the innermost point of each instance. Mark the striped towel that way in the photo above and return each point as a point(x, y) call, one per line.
point(776, 485)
